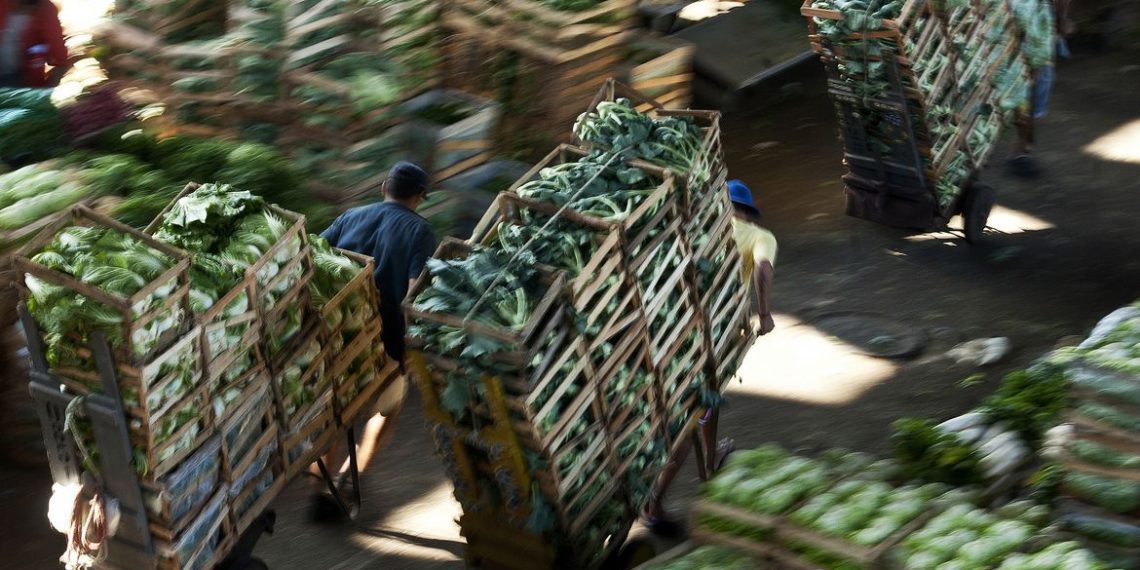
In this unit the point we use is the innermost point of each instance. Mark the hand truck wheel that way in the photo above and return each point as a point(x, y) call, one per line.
point(979, 201)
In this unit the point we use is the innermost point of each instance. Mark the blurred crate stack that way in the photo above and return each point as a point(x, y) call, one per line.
point(921, 95)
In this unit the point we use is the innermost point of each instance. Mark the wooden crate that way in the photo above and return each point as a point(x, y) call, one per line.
point(314, 381)
point(257, 480)
point(661, 68)
point(541, 94)
point(535, 29)
point(708, 173)
point(202, 544)
point(175, 500)
point(456, 146)
point(127, 355)
point(312, 437)
point(783, 538)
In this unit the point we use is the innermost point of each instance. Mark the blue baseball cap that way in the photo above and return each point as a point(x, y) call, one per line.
point(409, 177)
point(740, 195)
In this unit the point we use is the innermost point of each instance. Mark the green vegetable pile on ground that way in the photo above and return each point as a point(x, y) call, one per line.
point(931, 454)
point(708, 558)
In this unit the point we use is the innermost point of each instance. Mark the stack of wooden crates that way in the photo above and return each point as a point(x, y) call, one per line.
point(215, 436)
point(920, 100)
point(554, 459)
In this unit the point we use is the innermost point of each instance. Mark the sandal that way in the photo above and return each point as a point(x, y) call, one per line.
point(724, 448)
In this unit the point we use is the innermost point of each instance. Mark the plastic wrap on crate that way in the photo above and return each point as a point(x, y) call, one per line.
point(194, 548)
point(181, 491)
point(311, 429)
point(246, 427)
point(260, 473)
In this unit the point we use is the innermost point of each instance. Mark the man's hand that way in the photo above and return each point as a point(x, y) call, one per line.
point(766, 324)
point(762, 324)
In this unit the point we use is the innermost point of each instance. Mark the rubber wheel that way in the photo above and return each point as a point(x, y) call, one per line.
point(976, 211)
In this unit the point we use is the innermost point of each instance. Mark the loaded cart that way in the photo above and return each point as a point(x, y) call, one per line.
point(189, 401)
point(922, 91)
point(569, 348)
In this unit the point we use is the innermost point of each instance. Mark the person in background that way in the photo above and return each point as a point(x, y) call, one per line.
point(401, 241)
point(1044, 24)
point(31, 38)
point(757, 248)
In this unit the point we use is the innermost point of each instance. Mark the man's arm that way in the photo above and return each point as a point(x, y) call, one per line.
point(424, 248)
point(762, 280)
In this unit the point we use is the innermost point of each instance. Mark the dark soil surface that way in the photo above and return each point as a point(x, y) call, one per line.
point(800, 387)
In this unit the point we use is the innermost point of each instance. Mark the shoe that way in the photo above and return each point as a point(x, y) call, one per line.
point(724, 448)
point(1024, 166)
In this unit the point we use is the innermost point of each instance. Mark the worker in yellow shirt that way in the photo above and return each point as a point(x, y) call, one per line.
point(757, 251)
point(758, 258)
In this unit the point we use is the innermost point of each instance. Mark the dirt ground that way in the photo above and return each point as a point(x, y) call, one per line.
point(1068, 255)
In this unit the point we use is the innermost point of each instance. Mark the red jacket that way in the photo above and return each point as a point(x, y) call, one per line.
point(45, 29)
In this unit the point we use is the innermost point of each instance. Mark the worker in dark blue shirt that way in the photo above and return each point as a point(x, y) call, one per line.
point(401, 241)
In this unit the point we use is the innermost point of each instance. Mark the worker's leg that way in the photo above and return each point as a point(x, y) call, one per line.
point(715, 450)
point(656, 518)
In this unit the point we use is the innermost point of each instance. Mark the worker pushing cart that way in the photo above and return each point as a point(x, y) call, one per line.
point(758, 259)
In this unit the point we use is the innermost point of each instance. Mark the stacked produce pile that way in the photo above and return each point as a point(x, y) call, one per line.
point(921, 89)
point(543, 59)
point(326, 82)
point(846, 511)
point(1096, 452)
point(563, 351)
point(204, 343)
point(994, 445)
point(510, 393)
point(687, 143)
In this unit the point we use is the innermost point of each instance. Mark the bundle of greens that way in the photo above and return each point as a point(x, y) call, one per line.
point(462, 288)
point(597, 185)
point(1029, 401)
point(867, 512)
point(332, 274)
point(932, 454)
point(118, 264)
point(668, 142)
point(30, 126)
point(767, 480)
